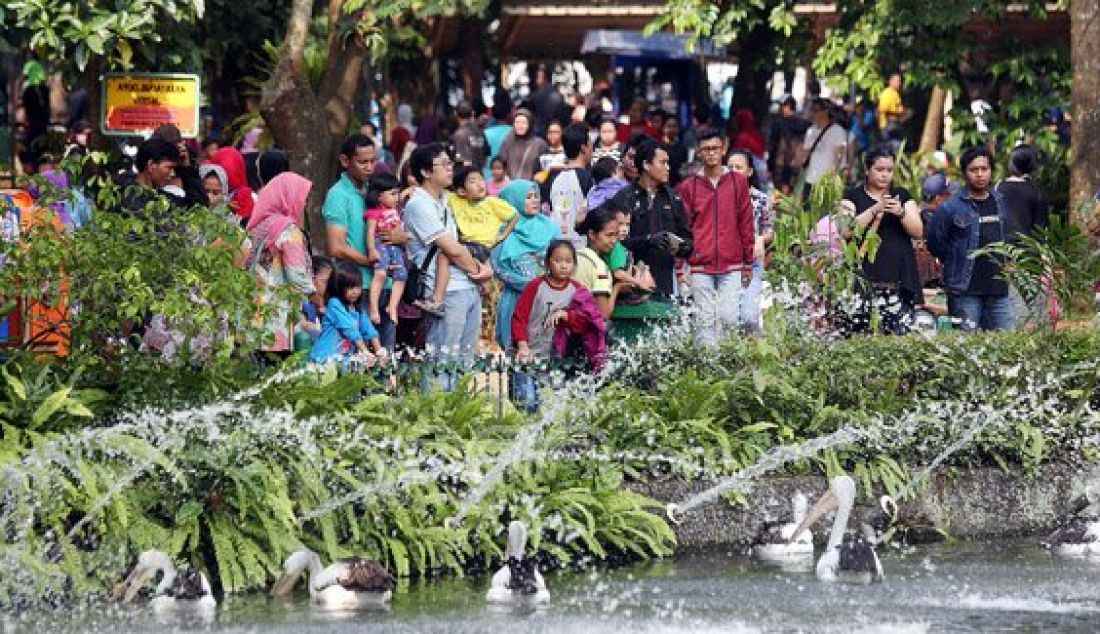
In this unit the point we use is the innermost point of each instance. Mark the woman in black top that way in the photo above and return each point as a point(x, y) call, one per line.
point(890, 272)
point(1025, 207)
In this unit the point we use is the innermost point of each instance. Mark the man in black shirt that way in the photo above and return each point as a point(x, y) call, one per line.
point(970, 220)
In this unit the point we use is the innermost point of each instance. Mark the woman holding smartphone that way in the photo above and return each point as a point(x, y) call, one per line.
point(890, 281)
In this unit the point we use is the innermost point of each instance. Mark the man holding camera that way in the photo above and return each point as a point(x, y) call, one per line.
point(659, 230)
point(719, 209)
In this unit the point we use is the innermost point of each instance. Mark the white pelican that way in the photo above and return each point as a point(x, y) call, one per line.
point(183, 590)
point(1079, 535)
point(518, 580)
point(848, 557)
point(776, 543)
point(349, 584)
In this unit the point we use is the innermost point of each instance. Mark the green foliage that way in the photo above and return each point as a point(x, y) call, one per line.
point(74, 32)
point(914, 396)
point(798, 260)
point(127, 266)
point(1060, 257)
point(41, 402)
point(329, 460)
point(234, 488)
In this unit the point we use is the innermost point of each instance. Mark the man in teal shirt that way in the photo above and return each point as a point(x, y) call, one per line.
point(345, 226)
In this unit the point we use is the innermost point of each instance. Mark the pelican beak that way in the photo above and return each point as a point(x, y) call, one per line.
point(828, 502)
point(128, 589)
point(284, 584)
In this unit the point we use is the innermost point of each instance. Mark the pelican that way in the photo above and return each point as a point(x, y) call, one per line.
point(847, 557)
point(348, 584)
point(183, 590)
point(775, 541)
point(1079, 535)
point(518, 580)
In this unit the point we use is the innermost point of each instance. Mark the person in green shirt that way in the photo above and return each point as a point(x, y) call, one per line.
point(635, 279)
point(345, 226)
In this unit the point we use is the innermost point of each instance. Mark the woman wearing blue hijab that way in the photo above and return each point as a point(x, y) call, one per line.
point(518, 259)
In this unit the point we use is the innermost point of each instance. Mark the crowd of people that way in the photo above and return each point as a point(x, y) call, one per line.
point(529, 229)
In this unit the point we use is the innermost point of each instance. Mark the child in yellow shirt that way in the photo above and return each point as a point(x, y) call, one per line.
point(483, 222)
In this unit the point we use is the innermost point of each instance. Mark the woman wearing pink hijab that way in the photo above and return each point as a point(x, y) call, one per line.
point(279, 255)
point(240, 194)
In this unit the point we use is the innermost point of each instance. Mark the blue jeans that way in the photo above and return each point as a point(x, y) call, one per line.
point(750, 299)
point(454, 336)
point(987, 312)
point(524, 391)
point(387, 330)
point(717, 304)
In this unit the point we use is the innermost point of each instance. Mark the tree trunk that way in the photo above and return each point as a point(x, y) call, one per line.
point(310, 125)
point(750, 87)
point(473, 62)
point(933, 120)
point(92, 79)
point(1085, 50)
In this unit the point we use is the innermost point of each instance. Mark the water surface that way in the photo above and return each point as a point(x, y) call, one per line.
point(967, 587)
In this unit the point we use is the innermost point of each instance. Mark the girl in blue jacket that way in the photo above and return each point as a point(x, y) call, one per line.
point(344, 330)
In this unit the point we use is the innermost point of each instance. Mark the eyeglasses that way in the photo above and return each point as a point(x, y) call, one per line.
point(709, 149)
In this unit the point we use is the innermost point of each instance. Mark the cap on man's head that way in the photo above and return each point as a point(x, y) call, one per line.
point(936, 185)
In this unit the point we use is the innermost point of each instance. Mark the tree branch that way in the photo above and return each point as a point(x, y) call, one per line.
point(343, 72)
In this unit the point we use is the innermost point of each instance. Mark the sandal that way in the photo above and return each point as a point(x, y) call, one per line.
point(433, 308)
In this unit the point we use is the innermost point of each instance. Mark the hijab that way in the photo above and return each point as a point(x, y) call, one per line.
point(270, 164)
point(239, 193)
point(282, 202)
point(206, 169)
point(532, 234)
point(748, 135)
point(428, 130)
point(60, 181)
point(405, 117)
point(523, 112)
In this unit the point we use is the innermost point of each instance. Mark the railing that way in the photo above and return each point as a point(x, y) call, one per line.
point(498, 375)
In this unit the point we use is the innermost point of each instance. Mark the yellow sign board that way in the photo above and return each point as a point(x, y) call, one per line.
point(137, 104)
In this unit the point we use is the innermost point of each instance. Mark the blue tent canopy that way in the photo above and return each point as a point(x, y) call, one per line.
point(660, 45)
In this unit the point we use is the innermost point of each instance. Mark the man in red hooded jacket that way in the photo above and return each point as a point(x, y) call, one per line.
point(719, 210)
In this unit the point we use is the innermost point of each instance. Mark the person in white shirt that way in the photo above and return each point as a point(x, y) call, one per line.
point(826, 144)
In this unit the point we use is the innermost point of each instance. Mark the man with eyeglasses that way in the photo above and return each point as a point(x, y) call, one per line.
point(719, 209)
point(432, 224)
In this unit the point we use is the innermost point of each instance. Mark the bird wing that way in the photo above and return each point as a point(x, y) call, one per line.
point(1074, 531)
point(858, 555)
point(770, 533)
point(359, 575)
point(188, 585)
point(522, 575)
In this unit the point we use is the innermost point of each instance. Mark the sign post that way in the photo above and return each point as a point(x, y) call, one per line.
point(137, 104)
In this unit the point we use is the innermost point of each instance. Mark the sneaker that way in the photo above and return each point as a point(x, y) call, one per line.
point(433, 308)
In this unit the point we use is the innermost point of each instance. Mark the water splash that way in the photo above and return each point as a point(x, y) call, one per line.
point(768, 462)
point(574, 401)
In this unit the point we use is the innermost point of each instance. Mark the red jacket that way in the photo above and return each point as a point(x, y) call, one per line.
point(721, 220)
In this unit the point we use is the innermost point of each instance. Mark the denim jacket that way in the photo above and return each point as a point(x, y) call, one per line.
point(954, 235)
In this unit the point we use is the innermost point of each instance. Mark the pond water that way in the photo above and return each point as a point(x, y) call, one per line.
point(963, 587)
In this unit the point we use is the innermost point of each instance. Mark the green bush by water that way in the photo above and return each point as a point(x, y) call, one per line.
point(331, 462)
